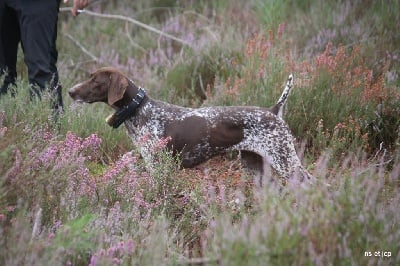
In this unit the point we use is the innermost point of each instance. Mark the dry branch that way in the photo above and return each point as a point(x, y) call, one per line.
point(84, 50)
point(131, 20)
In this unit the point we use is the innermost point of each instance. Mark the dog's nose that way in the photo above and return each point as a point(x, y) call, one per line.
point(74, 95)
point(73, 91)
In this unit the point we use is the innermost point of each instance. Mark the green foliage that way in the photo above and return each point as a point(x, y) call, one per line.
point(194, 77)
point(74, 241)
point(272, 12)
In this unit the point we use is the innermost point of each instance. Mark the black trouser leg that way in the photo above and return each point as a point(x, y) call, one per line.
point(35, 24)
point(9, 39)
point(38, 24)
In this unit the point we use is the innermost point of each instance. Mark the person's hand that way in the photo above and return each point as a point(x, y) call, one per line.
point(78, 4)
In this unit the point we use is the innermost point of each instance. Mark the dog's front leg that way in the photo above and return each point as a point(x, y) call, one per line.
point(149, 159)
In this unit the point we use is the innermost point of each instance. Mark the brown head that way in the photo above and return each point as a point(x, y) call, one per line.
point(106, 85)
point(110, 86)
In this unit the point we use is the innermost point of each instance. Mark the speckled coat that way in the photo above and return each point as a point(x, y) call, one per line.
point(196, 135)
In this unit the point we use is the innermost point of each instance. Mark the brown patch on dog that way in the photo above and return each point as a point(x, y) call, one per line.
point(186, 134)
point(225, 134)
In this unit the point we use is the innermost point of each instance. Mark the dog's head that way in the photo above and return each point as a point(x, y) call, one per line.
point(110, 86)
point(104, 85)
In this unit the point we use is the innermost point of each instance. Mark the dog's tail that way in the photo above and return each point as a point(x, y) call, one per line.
point(278, 107)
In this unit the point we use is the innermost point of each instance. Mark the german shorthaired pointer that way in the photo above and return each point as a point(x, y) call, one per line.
point(195, 135)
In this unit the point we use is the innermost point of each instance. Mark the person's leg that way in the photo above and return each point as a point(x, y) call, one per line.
point(38, 24)
point(9, 39)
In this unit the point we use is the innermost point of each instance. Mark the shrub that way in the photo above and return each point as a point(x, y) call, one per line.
point(345, 106)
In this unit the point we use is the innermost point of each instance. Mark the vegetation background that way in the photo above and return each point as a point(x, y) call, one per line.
point(71, 193)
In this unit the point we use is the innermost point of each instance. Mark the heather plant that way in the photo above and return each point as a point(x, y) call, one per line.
point(72, 242)
point(256, 76)
point(25, 107)
point(348, 107)
point(194, 78)
point(74, 191)
point(272, 12)
point(351, 23)
point(34, 164)
point(137, 217)
point(314, 226)
point(77, 120)
point(38, 168)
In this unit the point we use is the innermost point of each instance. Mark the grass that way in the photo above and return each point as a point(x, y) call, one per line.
point(72, 193)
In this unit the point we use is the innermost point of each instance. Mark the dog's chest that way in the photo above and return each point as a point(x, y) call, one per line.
point(151, 120)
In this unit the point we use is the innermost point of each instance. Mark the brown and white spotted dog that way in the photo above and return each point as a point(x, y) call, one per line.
point(195, 135)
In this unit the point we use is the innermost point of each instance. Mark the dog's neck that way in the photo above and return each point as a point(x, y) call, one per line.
point(133, 98)
point(130, 93)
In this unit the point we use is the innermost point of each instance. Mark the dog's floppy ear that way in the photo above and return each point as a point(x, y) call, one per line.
point(116, 90)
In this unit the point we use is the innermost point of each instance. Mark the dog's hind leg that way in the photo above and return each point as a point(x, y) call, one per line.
point(253, 164)
point(279, 151)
